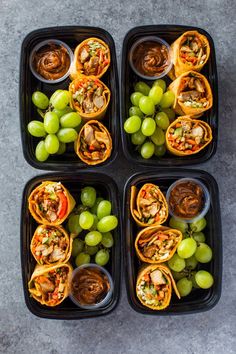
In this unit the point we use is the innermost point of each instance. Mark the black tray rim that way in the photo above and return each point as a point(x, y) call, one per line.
point(164, 171)
point(103, 312)
point(158, 163)
point(48, 166)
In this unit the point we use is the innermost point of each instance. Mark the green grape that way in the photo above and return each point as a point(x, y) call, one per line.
point(179, 225)
point(147, 150)
point(88, 196)
point(62, 112)
point(176, 263)
point(187, 247)
point(36, 128)
point(142, 87)
point(199, 236)
point(162, 120)
point(135, 98)
point(167, 100)
point(170, 113)
point(191, 262)
point(193, 280)
point(86, 220)
point(62, 148)
point(102, 257)
point(67, 135)
point(138, 138)
point(79, 209)
point(77, 247)
point(199, 225)
point(148, 126)
point(146, 105)
point(184, 286)
point(51, 143)
point(135, 111)
point(132, 124)
point(60, 99)
point(41, 152)
point(95, 206)
point(107, 240)
point(82, 258)
point(158, 137)
point(51, 122)
point(161, 83)
point(155, 94)
point(204, 279)
point(91, 250)
point(95, 222)
point(203, 253)
point(107, 223)
point(70, 120)
point(73, 225)
point(178, 275)
point(93, 238)
point(160, 150)
point(40, 100)
point(103, 209)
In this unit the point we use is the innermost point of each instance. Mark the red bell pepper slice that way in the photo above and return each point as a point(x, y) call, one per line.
point(62, 205)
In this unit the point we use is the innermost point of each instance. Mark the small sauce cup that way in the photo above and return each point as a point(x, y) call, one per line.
point(105, 300)
point(206, 200)
point(37, 49)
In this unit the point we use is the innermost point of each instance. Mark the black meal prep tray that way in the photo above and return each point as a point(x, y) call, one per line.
point(67, 310)
point(128, 79)
point(72, 36)
point(199, 300)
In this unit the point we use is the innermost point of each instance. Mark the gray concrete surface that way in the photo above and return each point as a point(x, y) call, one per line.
point(123, 331)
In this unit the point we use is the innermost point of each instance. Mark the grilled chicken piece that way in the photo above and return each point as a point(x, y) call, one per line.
point(47, 251)
point(56, 255)
point(84, 55)
point(93, 62)
point(191, 83)
point(151, 210)
point(199, 85)
point(197, 132)
point(157, 277)
point(194, 46)
point(98, 101)
point(149, 251)
point(47, 286)
point(88, 105)
point(189, 95)
point(185, 48)
point(88, 134)
point(186, 126)
point(52, 216)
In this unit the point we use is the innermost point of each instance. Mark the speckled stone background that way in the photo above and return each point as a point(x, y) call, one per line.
point(123, 331)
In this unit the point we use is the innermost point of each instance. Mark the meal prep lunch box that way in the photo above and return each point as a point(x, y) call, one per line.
point(72, 36)
point(200, 299)
point(128, 79)
point(67, 309)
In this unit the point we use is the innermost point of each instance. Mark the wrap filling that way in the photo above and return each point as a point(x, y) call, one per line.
point(192, 92)
point(94, 57)
point(193, 50)
point(49, 244)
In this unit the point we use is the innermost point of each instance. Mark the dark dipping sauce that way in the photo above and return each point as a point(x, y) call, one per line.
point(186, 200)
point(151, 58)
point(90, 286)
point(52, 61)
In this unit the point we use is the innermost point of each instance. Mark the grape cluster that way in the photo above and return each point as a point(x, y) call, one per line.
point(191, 251)
point(60, 124)
point(149, 117)
point(91, 223)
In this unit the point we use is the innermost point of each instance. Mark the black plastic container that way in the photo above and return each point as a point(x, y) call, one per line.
point(128, 78)
point(199, 300)
point(108, 189)
point(72, 36)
